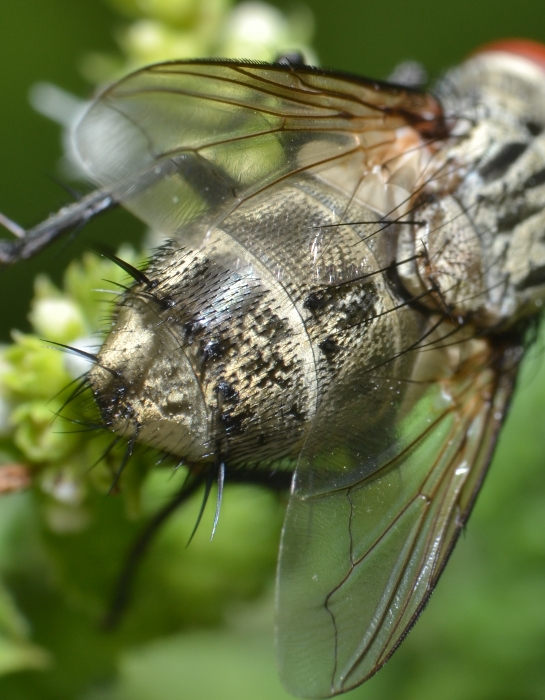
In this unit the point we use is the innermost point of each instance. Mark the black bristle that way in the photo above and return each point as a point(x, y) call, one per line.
point(134, 272)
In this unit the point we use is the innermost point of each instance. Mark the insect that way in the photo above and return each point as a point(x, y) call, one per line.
point(352, 273)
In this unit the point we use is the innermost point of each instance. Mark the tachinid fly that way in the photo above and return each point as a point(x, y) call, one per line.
point(351, 272)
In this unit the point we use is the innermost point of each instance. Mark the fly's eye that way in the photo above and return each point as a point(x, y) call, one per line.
point(533, 51)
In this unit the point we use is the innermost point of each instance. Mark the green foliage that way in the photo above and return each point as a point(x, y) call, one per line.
point(63, 581)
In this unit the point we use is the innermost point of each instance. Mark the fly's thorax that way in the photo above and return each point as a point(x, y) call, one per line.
point(481, 243)
point(230, 348)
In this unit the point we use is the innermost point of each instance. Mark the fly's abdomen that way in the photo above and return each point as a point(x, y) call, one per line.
point(229, 349)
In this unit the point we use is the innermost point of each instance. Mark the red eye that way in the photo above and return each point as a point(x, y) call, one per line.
point(532, 50)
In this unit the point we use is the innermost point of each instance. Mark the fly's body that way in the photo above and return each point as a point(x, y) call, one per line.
point(350, 274)
point(253, 353)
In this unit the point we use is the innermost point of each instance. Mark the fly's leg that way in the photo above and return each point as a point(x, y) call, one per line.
point(72, 217)
point(121, 594)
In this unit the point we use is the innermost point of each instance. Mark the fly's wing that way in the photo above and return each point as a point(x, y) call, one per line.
point(190, 146)
point(192, 141)
point(375, 513)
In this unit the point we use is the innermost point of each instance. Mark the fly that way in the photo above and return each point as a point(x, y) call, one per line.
point(351, 272)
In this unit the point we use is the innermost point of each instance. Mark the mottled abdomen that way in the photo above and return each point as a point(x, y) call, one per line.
point(232, 347)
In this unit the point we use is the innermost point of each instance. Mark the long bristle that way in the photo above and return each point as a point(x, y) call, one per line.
point(134, 272)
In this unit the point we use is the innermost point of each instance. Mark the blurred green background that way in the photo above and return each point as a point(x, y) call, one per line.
point(483, 634)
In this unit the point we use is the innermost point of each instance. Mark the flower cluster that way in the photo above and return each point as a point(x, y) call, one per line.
point(164, 30)
point(47, 417)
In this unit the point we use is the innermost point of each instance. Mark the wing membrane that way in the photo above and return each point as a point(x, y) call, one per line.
point(359, 561)
point(181, 141)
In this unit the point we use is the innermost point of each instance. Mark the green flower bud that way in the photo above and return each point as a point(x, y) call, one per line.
point(34, 370)
point(34, 435)
point(148, 41)
point(53, 316)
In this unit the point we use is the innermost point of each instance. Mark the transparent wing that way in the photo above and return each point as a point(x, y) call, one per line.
point(179, 142)
point(382, 485)
point(368, 531)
